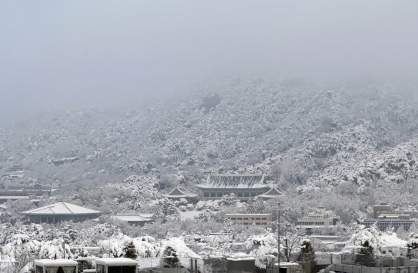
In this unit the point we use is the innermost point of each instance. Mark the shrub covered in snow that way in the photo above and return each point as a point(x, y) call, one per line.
point(382, 242)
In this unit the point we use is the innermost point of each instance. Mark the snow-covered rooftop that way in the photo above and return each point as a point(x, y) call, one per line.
point(116, 261)
point(234, 181)
point(178, 193)
point(61, 208)
point(240, 256)
point(272, 193)
point(284, 264)
point(57, 262)
point(11, 197)
point(132, 217)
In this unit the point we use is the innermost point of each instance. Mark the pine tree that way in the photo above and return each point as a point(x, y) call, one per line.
point(307, 254)
point(172, 261)
point(130, 251)
point(366, 254)
point(412, 249)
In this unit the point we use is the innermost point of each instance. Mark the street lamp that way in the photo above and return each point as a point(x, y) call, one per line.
point(278, 237)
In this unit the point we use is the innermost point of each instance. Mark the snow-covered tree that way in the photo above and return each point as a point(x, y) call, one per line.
point(169, 258)
point(377, 240)
point(229, 200)
point(130, 250)
point(291, 244)
point(261, 246)
point(255, 205)
point(412, 245)
point(366, 254)
point(167, 207)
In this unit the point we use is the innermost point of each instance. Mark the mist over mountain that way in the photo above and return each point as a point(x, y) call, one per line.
point(303, 135)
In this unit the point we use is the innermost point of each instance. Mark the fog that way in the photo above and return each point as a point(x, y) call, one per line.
point(110, 53)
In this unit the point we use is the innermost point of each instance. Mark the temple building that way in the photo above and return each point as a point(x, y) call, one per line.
point(60, 211)
point(244, 186)
point(177, 194)
point(271, 194)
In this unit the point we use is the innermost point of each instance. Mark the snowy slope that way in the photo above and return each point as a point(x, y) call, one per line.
point(299, 133)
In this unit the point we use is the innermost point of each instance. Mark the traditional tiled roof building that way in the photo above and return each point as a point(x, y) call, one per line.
point(60, 211)
point(244, 186)
point(271, 194)
point(178, 193)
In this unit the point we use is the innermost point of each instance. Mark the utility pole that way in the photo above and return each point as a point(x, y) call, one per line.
point(278, 237)
point(63, 247)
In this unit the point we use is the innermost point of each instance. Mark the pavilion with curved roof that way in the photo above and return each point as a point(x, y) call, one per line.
point(271, 194)
point(177, 194)
point(60, 211)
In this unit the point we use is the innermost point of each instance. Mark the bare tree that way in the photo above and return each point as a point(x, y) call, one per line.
point(292, 242)
point(24, 254)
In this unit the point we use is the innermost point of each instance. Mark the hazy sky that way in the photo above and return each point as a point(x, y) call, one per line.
point(112, 53)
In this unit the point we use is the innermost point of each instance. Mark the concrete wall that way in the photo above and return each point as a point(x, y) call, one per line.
point(241, 266)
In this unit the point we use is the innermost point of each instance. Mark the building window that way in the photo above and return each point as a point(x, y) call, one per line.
point(246, 218)
point(257, 218)
point(239, 194)
point(213, 194)
point(234, 218)
point(219, 194)
point(246, 194)
point(206, 194)
point(264, 218)
point(239, 218)
point(253, 194)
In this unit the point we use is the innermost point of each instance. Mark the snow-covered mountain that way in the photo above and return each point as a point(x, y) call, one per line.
point(301, 134)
